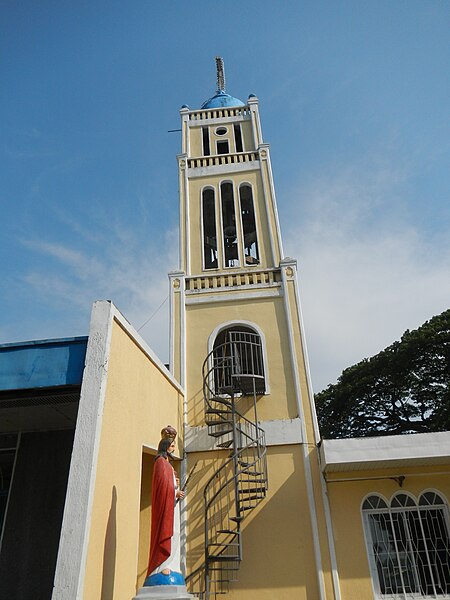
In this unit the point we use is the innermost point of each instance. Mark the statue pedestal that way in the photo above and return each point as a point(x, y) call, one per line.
point(164, 592)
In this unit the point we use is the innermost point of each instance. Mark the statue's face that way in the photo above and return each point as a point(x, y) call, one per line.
point(171, 448)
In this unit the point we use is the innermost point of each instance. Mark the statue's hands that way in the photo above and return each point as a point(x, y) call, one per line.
point(180, 494)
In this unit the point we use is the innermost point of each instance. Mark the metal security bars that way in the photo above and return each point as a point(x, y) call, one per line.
point(409, 546)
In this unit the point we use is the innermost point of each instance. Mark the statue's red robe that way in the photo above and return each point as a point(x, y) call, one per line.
point(163, 505)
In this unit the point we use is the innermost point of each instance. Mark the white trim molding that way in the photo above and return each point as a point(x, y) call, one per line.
point(221, 297)
point(306, 456)
point(219, 169)
point(73, 544)
point(355, 454)
point(280, 432)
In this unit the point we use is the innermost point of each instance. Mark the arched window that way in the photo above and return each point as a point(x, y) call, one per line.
point(209, 229)
point(231, 253)
point(408, 545)
point(251, 254)
point(239, 361)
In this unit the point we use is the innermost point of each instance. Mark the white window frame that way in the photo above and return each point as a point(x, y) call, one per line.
point(389, 510)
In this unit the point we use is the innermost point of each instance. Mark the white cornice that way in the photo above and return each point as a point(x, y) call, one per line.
point(237, 297)
point(219, 121)
point(228, 168)
point(355, 454)
point(279, 432)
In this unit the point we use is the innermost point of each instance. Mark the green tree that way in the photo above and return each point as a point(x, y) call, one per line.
point(403, 389)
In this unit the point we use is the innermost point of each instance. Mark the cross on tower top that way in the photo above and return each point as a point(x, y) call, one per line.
point(220, 74)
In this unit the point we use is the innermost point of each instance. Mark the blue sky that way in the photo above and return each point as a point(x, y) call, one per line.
point(354, 100)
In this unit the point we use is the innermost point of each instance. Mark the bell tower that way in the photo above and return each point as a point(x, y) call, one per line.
point(237, 347)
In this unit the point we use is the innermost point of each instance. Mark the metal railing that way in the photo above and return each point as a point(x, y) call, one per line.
point(233, 369)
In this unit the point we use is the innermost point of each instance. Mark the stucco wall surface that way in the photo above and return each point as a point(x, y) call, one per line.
point(278, 561)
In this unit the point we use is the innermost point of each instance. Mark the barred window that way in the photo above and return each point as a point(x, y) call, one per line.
point(408, 544)
point(239, 361)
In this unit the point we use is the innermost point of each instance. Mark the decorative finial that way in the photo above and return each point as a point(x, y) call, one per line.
point(220, 74)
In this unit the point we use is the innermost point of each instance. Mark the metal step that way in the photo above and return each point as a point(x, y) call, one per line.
point(251, 506)
point(218, 433)
point(253, 491)
point(227, 389)
point(260, 482)
point(234, 532)
point(226, 444)
point(221, 558)
point(253, 498)
point(217, 411)
point(222, 400)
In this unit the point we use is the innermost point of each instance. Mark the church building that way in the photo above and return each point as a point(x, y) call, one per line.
point(272, 511)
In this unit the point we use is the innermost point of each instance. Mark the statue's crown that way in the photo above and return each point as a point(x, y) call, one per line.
point(168, 432)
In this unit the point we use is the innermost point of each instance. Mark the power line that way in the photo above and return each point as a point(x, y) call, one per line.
point(154, 313)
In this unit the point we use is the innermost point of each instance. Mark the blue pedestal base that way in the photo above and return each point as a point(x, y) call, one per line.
point(164, 587)
point(161, 579)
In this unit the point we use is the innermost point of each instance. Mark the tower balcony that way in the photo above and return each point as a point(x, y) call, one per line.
point(242, 280)
point(216, 163)
point(219, 113)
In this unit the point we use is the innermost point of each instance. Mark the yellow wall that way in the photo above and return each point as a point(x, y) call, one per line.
point(195, 141)
point(139, 401)
point(247, 136)
point(268, 314)
point(277, 539)
point(346, 498)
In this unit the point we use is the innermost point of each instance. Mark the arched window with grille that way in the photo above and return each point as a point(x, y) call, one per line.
point(239, 361)
point(408, 545)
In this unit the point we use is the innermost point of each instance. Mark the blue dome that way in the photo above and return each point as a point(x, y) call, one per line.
point(222, 99)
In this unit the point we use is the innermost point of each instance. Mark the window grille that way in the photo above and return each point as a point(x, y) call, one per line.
point(238, 362)
point(408, 546)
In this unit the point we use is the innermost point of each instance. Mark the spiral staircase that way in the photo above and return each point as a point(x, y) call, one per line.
point(233, 378)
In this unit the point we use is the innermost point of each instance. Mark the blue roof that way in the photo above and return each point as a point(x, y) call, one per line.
point(42, 363)
point(222, 99)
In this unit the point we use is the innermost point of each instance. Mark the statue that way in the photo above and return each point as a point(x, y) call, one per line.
point(164, 579)
point(164, 562)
